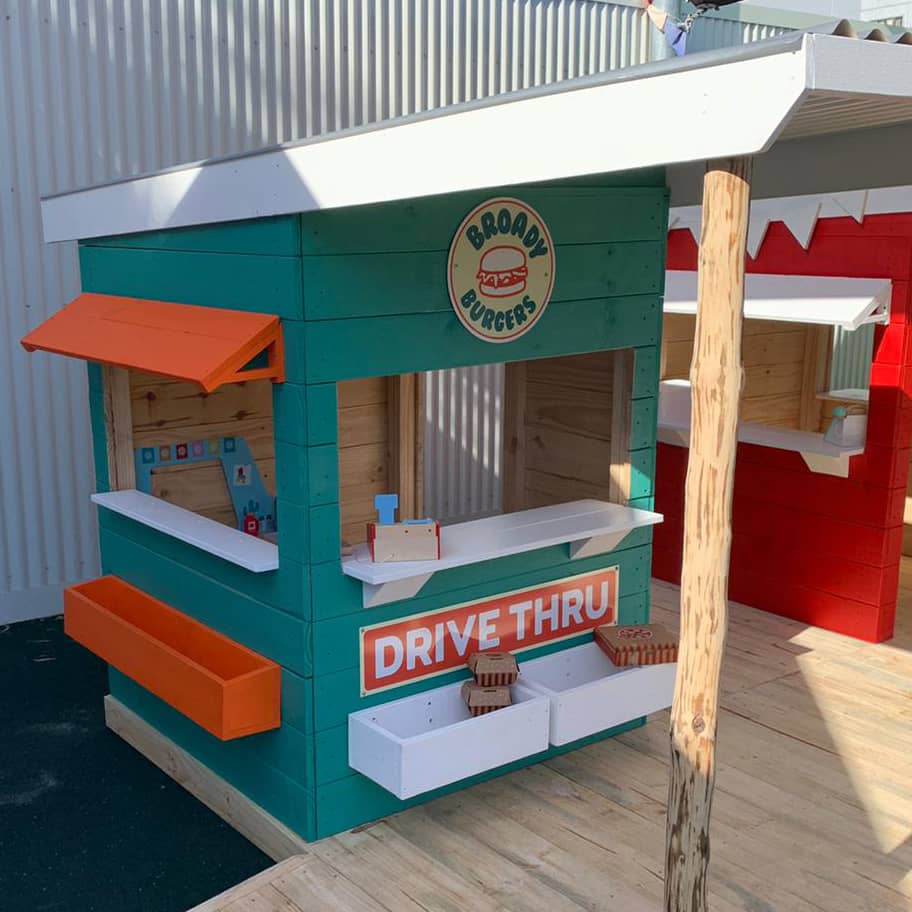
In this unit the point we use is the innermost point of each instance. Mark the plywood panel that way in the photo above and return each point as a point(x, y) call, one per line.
point(778, 384)
point(167, 412)
point(563, 408)
point(363, 458)
point(204, 485)
point(567, 429)
point(592, 372)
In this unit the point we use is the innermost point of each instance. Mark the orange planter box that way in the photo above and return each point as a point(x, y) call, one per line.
point(222, 686)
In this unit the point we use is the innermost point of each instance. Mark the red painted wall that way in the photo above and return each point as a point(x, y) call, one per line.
point(820, 549)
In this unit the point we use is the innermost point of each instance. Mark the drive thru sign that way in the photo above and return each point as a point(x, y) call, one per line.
point(423, 645)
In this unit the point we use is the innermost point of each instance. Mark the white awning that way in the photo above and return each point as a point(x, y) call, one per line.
point(848, 303)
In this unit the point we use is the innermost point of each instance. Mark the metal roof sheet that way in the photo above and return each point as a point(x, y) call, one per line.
point(741, 101)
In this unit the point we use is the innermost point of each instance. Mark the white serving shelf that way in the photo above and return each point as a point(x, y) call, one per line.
point(423, 742)
point(589, 526)
point(247, 551)
point(589, 694)
point(818, 454)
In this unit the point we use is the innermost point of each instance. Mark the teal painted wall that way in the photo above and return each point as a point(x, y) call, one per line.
point(362, 292)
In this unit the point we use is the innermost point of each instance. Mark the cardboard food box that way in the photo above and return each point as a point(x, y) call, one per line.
point(493, 669)
point(480, 699)
point(637, 644)
point(413, 540)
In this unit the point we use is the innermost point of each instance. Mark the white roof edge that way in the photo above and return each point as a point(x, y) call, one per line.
point(736, 102)
point(845, 302)
point(441, 152)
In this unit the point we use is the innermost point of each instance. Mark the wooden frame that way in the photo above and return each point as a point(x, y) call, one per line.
point(818, 349)
point(405, 442)
point(118, 420)
point(380, 448)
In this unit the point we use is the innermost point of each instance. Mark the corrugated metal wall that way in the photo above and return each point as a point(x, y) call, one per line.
point(853, 352)
point(92, 90)
point(716, 32)
point(95, 89)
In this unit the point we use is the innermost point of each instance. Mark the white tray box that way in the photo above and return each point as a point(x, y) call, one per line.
point(419, 743)
point(588, 693)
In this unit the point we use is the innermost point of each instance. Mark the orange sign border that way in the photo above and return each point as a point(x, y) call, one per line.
point(498, 595)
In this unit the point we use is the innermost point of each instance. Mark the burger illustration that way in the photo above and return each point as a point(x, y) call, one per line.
point(502, 272)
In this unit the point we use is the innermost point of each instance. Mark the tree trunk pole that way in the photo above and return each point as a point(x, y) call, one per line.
point(715, 377)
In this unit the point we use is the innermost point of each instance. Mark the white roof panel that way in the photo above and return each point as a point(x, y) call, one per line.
point(848, 303)
point(739, 101)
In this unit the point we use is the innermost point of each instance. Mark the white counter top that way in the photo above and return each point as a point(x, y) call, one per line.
point(590, 526)
point(819, 455)
point(247, 551)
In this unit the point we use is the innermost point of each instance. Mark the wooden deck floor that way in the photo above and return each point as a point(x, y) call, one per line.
point(813, 807)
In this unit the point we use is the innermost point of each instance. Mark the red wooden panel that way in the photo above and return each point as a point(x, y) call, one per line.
point(810, 606)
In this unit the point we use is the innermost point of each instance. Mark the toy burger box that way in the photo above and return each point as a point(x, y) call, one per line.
point(493, 669)
point(637, 644)
point(481, 700)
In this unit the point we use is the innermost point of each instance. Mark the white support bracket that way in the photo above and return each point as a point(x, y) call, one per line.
point(597, 544)
point(828, 465)
point(374, 594)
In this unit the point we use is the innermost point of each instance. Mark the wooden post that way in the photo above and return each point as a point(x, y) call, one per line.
point(716, 376)
point(118, 417)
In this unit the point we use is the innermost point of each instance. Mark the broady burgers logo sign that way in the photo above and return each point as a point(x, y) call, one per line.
point(500, 269)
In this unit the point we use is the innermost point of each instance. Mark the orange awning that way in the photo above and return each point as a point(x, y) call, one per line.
point(207, 346)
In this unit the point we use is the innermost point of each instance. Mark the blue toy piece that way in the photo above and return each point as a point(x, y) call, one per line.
point(386, 505)
point(245, 486)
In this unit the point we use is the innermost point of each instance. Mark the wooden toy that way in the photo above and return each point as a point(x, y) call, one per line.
point(493, 669)
point(254, 507)
point(637, 644)
point(409, 540)
point(482, 699)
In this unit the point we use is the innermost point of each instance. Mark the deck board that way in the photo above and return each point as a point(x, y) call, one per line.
point(813, 806)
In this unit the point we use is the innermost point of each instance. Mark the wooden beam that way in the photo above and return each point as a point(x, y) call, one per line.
point(403, 443)
point(621, 391)
point(118, 418)
point(236, 809)
point(716, 378)
point(818, 349)
point(514, 438)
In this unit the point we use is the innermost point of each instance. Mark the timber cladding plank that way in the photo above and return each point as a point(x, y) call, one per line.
point(286, 749)
point(777, 388)
point(362, 453)
point(262, 284)
point(118, 428)
point(335, 594)
point(166, 412)
point(574, 215)
point(271, 810)
point(287, 588)
point(367, 285)
point(274, 236)
point(336, 639)
point(98, 424)
point(274, 634)
point(347, 349)
point(338, 693)
point(811, 606)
